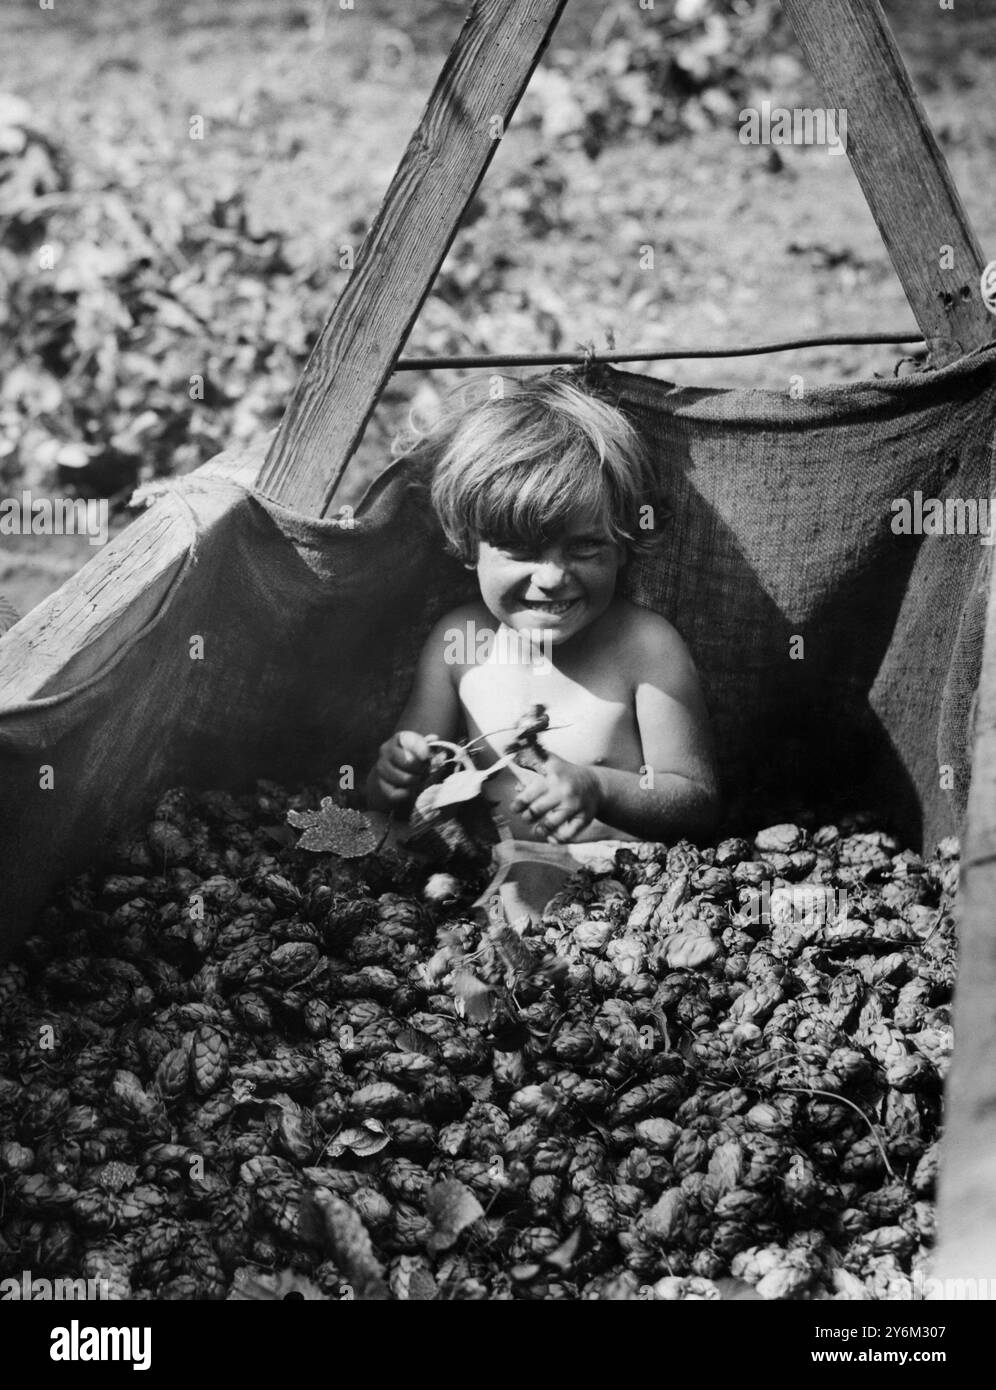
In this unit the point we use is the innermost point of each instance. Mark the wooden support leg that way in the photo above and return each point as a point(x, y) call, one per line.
point(473, 100)
point(967, 1196)
point(902, 172)
point(921, 218)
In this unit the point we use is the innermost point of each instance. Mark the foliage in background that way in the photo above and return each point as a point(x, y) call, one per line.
point(147, 324)
point(151, 343)
point(690, 67)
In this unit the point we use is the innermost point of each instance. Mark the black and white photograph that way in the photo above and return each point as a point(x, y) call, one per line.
point(498, 667)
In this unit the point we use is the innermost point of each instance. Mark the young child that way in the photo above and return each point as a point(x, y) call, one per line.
point(543, 492)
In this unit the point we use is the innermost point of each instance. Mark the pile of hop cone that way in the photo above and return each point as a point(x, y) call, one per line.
point(234, 1067)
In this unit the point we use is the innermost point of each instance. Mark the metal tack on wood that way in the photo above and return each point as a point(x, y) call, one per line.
point(903, 174)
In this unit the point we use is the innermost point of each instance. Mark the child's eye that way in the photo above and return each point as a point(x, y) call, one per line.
point(587, 550)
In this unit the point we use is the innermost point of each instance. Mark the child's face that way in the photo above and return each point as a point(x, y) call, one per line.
point(560, 588)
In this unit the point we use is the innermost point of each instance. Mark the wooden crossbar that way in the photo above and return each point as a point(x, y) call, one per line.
point(471, 104)
point(902, 172)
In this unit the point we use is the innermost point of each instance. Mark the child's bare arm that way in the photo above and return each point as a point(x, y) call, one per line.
point(432, 711)
point(675, 793)
point(659, 804)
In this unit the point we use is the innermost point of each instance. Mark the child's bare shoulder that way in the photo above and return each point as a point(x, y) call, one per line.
point(649, 644)
point(473, 608)
point(454, 637)
point(459, 620)
point(644, 627)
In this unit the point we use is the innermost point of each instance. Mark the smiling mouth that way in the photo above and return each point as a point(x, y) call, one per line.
point(556, 610)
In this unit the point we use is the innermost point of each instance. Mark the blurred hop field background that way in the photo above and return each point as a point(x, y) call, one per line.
point(181, 185)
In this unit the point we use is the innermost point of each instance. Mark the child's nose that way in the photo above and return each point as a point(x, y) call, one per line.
point(550, 573)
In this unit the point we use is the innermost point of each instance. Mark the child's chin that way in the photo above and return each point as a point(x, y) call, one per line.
point(538, 620)
point(552, 631)
point(539, 623)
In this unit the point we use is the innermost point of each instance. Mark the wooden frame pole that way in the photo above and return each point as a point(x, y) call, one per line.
point(471, 104)
point(903, 174)
point(967, 1186)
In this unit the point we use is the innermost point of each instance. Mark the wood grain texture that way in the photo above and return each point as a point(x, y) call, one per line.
point(483, 78)
point(76, 631)
point(902, 172)
point(967, 1191)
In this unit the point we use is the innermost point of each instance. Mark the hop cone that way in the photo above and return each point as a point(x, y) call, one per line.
point(112, 1266)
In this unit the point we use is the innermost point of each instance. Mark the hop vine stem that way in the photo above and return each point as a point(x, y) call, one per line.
point(842, 1100)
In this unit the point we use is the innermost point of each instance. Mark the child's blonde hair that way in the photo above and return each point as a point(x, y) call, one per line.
point(517, 469)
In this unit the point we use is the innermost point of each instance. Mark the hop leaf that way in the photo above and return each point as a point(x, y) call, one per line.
point(334, 829)
point(414, 1040)
point(285, 893)
point(475, 996)
point(515, 954)
point(450, 1206)
point(479, 1087)
point(363, 1140)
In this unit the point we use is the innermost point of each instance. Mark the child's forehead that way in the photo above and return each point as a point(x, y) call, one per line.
point(579, 523)
point(584, 521)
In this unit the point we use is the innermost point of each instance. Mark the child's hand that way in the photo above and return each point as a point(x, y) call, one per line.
point(402, 766)
point(561, 802)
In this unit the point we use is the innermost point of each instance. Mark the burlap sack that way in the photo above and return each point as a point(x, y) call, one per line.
point(781, 530)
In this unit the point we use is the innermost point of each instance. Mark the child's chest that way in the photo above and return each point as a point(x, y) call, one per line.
point(591, 722)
